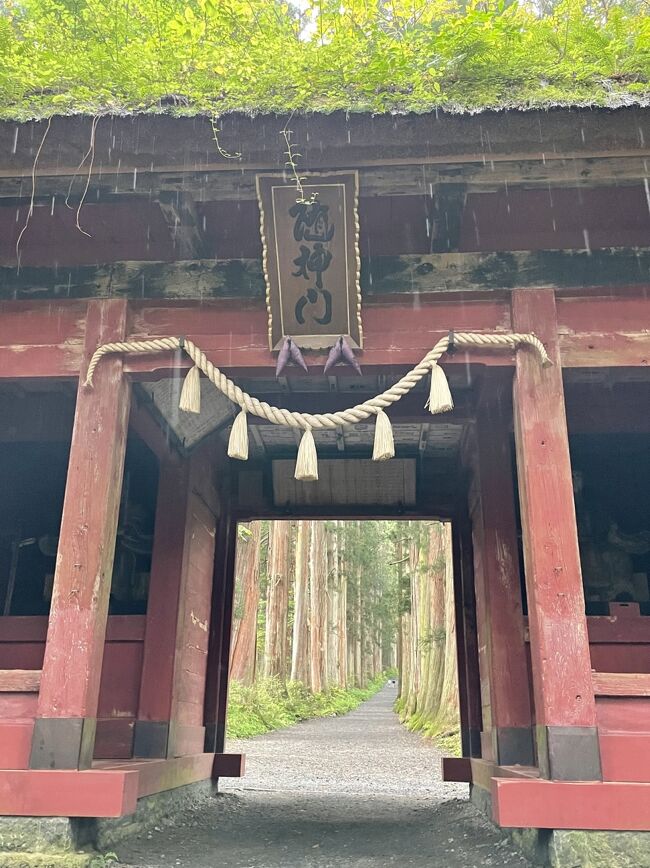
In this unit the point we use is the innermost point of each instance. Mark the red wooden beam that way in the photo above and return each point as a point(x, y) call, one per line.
point(92, 793)
point(538, 804)
point(68, 700)
point(45, 339)
point(564, 698)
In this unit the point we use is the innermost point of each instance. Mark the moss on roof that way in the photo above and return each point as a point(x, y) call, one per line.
point(218, 56)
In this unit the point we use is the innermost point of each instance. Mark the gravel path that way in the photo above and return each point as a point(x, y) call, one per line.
point(355, 791)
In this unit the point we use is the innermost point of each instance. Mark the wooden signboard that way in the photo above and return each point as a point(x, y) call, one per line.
point(311, 259)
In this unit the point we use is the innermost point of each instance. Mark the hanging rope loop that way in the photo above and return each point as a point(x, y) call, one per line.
point(320, 421)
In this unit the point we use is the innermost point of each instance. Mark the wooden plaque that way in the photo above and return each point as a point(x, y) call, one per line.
point(311, 259)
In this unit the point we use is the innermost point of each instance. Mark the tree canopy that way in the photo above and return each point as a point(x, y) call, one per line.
point(217, 56)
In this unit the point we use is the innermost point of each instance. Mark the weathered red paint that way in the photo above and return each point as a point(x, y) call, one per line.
point(15, 743)
point(398, 332)
point(623, 714)
point(542, 804)
point(165, 587)
point(18, 706)
point(559, 643)
point(70, 682)
point(91, 793)
point(176, 644)
point(497, 570)
point(154, 776)
point(624, 312)
point(625, 756)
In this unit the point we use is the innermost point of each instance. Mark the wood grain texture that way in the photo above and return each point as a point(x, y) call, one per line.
point(559, 643)
point(497, 578)
point(165, 143)
point(78, 616)
point(408, 274)
point(621, 683)
point(20, 680)
point(165, 589)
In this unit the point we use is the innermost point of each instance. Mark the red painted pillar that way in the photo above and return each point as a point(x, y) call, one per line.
point(467, 651)
point(64, 732)
point(165, 589)
point(498, 586)
point(567, 736)
point(172, 686)
point(216, 696)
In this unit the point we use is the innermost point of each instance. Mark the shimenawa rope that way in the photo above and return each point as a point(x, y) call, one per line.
point(440, 399)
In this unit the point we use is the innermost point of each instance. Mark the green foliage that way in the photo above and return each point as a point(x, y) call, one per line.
point(446, 737)
point(269, 704)
point(215, 56)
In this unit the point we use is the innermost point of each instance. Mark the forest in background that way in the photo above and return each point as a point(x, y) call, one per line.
point(325, 611)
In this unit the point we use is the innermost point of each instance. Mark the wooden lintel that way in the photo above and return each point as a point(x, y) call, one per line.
point(380, 275)
point(160, 142)
point(20, 680)
point(412, 179)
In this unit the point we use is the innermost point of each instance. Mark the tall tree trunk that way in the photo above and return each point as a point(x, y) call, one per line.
point(342, 613)
point(300, 649)
point(277, 600)
point(414, 642)
point(247, 578)
point(448, 708)
point(318, 608)
point(401, 619)
point(333, 603)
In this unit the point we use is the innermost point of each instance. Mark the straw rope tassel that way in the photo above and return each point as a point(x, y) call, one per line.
point(384, 447)
point(307, 460)
point(440, 400)
point(238, 442)
point(190, 401)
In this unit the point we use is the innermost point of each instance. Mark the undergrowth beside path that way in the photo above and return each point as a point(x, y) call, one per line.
point(442, 728)
point(271, 704)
